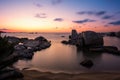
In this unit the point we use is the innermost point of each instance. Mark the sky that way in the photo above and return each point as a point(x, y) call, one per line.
point(59, 15)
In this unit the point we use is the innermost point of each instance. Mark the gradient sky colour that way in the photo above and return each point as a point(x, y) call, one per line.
point(59, 15)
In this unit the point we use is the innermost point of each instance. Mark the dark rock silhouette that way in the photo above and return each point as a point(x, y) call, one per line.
point(118, 34)
point(91, 41)
point(12, 49)
point(87, 38)
point(92, 38)
point(87, 63)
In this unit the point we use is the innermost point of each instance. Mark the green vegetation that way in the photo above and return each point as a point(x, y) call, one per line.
point(5, 48)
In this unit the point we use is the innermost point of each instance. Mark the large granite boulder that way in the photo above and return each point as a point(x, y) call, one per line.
point(91, 38)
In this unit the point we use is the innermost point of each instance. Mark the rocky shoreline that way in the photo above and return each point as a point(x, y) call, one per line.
point(24, 48)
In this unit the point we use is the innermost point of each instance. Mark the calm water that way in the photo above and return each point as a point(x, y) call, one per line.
point(66, 58)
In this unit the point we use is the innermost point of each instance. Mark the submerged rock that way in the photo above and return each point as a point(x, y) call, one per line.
point(87, 63)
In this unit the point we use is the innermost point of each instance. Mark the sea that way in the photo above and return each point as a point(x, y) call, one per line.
point(66, 58)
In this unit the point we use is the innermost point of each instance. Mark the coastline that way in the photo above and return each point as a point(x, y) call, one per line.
point(35, 75)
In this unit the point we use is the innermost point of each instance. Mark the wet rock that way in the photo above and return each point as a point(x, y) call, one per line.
point(87, 63)
point(74, 37)
point(108, 49)
point(45, 45)
point(8, 61)
point(31, 43)
point(20, 47)
point(111, 49)
point(92, 38)
point(13, 40)
point(23, 39)
point(65, 42)
point(40, 38)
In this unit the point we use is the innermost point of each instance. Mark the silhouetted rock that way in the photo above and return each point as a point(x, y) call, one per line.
point(23, 39)
point(118, 34)
point(92, 38)
point(74, 37)
point(20, 47)
point(10, 75)
point(23, 48)
point(13, 40)
point(65, 42)
point(111, 34)
point(87, 38)
point(108, 49)
point(40, 38)
point(87, 63)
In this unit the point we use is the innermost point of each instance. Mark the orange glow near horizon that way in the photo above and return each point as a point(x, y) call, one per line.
point(26, 16)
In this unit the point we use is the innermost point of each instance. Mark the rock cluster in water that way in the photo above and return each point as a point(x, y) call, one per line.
point(90, 41)
point(87, 38)
point(114, 34)
point(23, 48)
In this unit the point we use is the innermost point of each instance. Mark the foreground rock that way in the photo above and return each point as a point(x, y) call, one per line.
point(87, 63)
point(18, 48)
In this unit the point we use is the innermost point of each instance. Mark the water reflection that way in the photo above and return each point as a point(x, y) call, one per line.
point(67, 58)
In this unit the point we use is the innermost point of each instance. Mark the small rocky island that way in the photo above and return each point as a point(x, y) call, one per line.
point(91, 42)
point(12, 49)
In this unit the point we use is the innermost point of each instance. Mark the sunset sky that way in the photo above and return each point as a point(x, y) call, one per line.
point(59, 15)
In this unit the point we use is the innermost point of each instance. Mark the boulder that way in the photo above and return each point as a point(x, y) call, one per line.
point(91, 38)
point(65, 42)
point(23, 39)
point(73, 37)
point(87, 63)
point(13, 40)
point(40, 38)
point(20, 47)
point(31, 43)
point(111, 49)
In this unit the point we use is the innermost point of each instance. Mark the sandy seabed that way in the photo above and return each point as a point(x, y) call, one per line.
point(35, 75)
